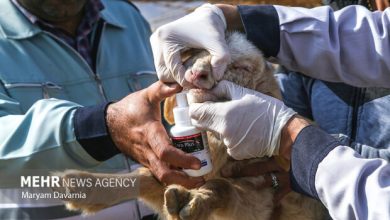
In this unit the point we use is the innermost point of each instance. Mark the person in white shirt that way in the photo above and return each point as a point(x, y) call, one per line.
point(317, 42)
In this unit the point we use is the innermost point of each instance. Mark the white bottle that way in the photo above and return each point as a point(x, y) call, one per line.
point(188, 138)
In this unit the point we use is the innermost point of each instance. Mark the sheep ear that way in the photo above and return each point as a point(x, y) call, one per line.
point(169, 104)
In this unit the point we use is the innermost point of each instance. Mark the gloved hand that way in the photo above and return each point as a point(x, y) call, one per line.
point(250, 123)
point(205, 29)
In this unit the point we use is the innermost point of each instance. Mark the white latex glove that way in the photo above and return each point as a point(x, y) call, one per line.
point(250, 123)
point(205, 29)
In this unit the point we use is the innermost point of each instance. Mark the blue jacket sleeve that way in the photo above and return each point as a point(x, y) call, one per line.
point(41, 138)
point(92, 133)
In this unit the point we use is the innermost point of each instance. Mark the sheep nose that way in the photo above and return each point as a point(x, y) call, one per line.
point(202, 79)
point(200, 74)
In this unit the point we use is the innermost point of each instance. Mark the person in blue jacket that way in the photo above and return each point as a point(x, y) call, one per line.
point(62, 66)
point(350, 45)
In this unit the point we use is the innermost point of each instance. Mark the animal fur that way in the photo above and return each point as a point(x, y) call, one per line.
point(219, 198)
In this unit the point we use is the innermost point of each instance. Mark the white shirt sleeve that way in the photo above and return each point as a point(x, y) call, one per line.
point(351, 45)
point(352, 187)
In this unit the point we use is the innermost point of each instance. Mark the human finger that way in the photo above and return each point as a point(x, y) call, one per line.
point(173, 62)
point(179, 177)
point(205, 116)
point(282, 186)
point(283, 179)
point(161, 145)
point(228, 90)
point(220, 58)
point(166, 175)
point(163, 72)
point(159, 91)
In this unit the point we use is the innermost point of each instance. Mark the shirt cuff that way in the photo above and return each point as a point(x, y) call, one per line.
point(261, 24)
point(92, 133)
point(311, 146)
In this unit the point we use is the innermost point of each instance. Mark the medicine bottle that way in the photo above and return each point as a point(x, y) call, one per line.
point(188, 138)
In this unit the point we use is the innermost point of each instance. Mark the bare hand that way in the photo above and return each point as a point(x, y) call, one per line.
point(245, 169)
point(136, 129)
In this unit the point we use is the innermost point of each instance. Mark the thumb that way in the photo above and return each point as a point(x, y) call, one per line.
point(177, 68)
point(159, 91)
point(220, 58)
point(172, 59)
point(204, 116)
point(227, 90)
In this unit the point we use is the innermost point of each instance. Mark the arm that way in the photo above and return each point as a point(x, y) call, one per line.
point(350, 45)
point(50, 128)
point(56, 134)
point(51, 135)
point(348, 185)
point(364, 150)
point(321, 167)
point(44, 131)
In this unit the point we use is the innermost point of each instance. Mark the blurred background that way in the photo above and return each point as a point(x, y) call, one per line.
point(161, 12)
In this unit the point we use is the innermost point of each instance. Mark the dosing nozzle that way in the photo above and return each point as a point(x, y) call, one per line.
point(180, 112)
point(181, 99)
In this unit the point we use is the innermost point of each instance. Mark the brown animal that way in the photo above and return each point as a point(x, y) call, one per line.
point(219, 198)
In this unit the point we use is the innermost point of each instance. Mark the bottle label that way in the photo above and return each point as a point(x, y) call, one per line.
point(197, 146)
point(189, 144)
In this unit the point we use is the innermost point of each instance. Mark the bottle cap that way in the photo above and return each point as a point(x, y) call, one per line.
point(181, 111)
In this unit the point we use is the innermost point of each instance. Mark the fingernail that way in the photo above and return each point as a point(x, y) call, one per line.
point(196, 165)
point(175, 86)
point(171, 87)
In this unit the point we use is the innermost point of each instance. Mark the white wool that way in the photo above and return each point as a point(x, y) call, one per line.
point(240, 47)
